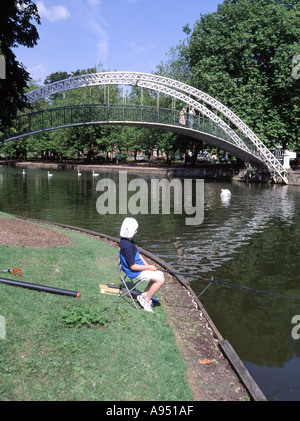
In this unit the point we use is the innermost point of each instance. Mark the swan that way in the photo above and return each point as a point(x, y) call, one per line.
point(95, 174)
point(79, 173)
point(49, 175)
point(24, 172)
point(225, 193)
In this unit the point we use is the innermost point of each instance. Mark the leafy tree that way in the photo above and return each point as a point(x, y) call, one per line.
point(15, 29)
point(243, 56)
point(177, 66)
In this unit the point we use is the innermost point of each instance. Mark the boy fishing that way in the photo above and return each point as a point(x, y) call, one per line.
point(135, 266)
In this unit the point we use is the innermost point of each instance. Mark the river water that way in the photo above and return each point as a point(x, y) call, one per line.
point(250, 240)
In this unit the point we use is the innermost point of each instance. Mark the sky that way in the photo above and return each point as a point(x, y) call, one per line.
point(122, 35)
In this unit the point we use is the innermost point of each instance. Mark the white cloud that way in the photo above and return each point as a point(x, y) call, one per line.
point(38, 72)
point(136, 49)
point(92, 20)
point(95, 3)
point(54, 13)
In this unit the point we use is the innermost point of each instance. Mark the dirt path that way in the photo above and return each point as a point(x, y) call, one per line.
point(210, 375)
point(15, 232)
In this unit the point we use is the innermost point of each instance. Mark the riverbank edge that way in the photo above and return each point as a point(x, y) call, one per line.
point(218, 172)
point(213, 172)
point(223, 345)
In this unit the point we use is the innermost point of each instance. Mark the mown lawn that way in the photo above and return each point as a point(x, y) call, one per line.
point(88, 348)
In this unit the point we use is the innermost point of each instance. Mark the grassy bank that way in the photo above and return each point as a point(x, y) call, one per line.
point(87, 348)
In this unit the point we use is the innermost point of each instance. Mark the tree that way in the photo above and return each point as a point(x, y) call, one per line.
point(242, 55)
point(15, 29)
point(177, 67)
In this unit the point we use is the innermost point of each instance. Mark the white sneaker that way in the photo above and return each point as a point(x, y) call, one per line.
point(147, 306)
point(141, 300)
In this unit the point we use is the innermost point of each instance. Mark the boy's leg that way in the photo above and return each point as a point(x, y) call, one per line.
point(157, 280)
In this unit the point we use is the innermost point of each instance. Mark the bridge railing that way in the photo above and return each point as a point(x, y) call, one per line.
point(41, 120)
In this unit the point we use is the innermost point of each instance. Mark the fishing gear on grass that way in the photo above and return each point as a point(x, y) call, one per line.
point(16, 271)
point(43, 288)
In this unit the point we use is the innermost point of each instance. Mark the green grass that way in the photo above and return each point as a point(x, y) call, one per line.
point(87, 348)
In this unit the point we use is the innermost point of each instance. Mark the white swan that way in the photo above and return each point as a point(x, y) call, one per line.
point(95, 174)
point(24, 172)
point(79, 173)
point(49, 175)
point(225, 193)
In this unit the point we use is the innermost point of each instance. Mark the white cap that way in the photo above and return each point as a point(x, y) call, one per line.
point(128, 228)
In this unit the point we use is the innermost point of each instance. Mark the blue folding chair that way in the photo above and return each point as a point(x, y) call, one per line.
point(130, 286)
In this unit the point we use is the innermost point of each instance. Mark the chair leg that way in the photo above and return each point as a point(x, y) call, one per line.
point(128, 291)
point(123, 295)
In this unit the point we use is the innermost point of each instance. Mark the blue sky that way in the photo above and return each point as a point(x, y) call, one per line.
point(124, 35)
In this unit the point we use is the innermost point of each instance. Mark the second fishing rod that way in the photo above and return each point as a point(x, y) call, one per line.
point(212, 280)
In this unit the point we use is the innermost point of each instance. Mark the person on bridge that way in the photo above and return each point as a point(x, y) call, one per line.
point(192, 114)
point(182, 117)
point(135, 266)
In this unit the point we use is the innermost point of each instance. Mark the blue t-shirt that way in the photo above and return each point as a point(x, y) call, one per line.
point(129, 255)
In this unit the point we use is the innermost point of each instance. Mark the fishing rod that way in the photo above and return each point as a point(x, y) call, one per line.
point(212, 280)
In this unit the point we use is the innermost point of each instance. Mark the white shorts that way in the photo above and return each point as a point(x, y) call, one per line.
point(145, 275)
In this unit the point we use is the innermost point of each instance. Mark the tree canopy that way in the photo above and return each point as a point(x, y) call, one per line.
point(243, 55)
point(16, 29)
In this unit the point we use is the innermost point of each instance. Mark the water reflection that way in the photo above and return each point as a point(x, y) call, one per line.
point(224, 231)
point(251, 240)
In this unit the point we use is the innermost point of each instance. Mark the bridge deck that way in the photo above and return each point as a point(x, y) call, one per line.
point(201, 129)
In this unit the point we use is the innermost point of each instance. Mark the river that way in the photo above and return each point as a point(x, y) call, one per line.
point(250, 240)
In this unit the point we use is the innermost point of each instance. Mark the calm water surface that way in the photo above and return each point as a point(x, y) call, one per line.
point(251, 240)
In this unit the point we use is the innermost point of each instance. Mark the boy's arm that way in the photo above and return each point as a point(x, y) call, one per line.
point(146, 267)
point(145, 263)
point(139, 268)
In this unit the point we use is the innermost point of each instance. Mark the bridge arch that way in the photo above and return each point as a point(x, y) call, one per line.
point(241, 136)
